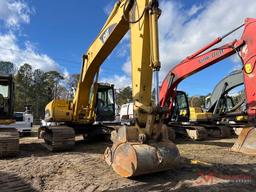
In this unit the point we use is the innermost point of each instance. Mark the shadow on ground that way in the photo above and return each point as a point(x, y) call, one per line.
point(214, 142)
point(13, 183)
point(197, 178)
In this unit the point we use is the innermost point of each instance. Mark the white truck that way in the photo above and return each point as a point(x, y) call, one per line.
point(126, 114)
point(24, 122)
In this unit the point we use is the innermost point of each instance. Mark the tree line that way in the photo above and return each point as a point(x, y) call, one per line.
point(34, 88)
point(37, 88)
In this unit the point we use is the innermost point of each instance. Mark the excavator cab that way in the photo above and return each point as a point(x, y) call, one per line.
point(6, 97)
point(105, 103)
point(9, 136)
point(181, 111)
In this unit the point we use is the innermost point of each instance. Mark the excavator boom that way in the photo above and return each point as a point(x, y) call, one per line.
point(230, 82)
point(148, 139)
point(192, 65)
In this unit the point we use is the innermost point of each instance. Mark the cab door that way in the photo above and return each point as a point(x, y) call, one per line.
point(105, 103)
point(181, 107)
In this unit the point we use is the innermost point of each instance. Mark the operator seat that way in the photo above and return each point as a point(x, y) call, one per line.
point(196, 111)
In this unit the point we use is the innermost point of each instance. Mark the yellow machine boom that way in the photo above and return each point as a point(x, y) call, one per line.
point(144, 148)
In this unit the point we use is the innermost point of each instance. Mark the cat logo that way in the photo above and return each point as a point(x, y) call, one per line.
point(104, 37)
point(248, 68)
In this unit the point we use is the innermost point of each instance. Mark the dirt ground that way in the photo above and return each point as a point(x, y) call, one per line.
point(206, 166)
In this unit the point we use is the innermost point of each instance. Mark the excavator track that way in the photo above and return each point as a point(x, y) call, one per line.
point(9, 142)
point(58, 138)
point(195, 133)
point(202, 132)
point(218, 131)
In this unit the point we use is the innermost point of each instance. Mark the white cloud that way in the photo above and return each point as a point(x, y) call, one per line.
point(237, 66)
point(195, 9)
point(236, 91)
point(120, 81)
point(184, 31)
point(109, 7)
point(127, 67)
point(123, 51)
point(10, 51)
point(14, 13)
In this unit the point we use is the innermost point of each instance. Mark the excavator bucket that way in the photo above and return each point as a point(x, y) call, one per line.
point(246, 142)
point(129, 157)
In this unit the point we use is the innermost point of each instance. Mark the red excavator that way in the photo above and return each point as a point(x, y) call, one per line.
point(245, 48)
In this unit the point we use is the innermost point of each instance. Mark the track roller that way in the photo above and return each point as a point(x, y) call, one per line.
point(129, 158)
point(9, 142)
point(57, 138)
point(218, 131)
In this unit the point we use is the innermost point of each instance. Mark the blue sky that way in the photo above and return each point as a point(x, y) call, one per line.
point(55, 35)
point(65, 30)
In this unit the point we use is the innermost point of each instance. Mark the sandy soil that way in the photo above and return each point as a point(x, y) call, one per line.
point(206, 166)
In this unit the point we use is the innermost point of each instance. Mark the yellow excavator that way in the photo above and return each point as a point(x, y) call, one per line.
point(139, 149)
point(9, 136)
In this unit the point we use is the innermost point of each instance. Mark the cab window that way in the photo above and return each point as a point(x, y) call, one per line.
point(4, 91)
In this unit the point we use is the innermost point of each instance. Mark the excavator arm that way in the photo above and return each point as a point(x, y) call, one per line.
point(82, 109)
point(140, 17)
point(112, 32)
point(228, 83)
point(148, 139)
point(191, 65)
